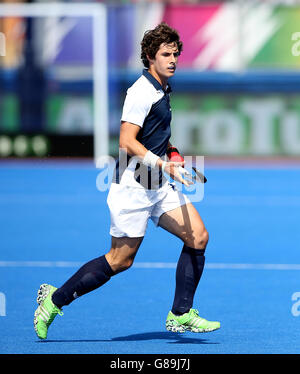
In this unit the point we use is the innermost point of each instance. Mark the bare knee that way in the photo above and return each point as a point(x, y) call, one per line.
point(199, 241)
point(202, 240)
point(122, 253)
point(118, 263)
point(124, 264)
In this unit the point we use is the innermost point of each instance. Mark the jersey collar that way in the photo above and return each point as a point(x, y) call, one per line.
point(155, 83)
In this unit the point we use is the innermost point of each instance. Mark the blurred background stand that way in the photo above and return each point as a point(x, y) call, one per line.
point(31, 86)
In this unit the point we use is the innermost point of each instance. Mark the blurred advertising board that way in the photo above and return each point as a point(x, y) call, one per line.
point(216, 36)
point(206, 124)
point(233, 36)
point(237, 124)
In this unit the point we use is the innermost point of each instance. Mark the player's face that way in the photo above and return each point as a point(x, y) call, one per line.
point(164, 64)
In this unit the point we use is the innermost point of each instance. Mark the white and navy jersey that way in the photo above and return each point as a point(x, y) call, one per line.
point(146, 105)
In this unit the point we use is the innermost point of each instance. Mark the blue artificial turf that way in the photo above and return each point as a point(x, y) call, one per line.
point(52, 211)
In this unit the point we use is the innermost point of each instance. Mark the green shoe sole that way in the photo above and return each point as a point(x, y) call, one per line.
point(43, 292)
point(173, 326)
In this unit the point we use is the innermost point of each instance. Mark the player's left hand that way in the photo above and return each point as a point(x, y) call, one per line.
point(177, 172)
point(174, 155)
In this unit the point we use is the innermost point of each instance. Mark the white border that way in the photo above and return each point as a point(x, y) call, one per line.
point(100, 84)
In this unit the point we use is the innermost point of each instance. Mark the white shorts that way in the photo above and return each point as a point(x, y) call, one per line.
point(131, 207)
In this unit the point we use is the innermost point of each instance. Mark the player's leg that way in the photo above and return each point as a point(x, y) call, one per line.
point(129, 217)
point(89, 277)
point(98, 271)
point(122, 253)
point(186, 223)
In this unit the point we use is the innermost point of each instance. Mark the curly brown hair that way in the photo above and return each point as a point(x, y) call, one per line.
point(152, 40)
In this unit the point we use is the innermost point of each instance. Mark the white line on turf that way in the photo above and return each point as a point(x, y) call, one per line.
point(153, 265)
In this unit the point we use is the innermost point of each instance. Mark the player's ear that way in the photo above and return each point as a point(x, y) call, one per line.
point(151, 60)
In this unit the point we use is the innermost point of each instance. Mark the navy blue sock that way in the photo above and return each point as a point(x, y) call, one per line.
point(89, 277)
point(188, 273)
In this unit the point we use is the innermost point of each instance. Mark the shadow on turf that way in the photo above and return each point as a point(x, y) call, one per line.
point(175, 337)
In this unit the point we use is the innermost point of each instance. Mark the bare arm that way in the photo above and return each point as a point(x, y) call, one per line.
point(128, 141)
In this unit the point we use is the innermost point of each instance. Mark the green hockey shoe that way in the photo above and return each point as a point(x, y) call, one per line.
point(190, 322)
point(46, 311)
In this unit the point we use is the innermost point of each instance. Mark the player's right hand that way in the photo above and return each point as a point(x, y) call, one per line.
point(177, 172)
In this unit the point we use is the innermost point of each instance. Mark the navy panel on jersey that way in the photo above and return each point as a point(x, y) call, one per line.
point(148, 96)
point(156, 131)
